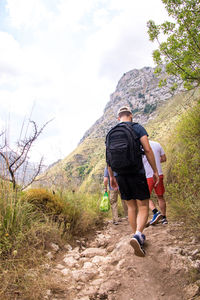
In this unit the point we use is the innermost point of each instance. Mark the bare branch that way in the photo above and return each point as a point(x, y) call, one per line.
point(35, 175)
point(26, 144)
point(16, 159)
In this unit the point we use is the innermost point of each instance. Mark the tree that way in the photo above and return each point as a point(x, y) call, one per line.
point(14, 160)
point(180, 52)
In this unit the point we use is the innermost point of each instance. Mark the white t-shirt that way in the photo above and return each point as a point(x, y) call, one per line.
point(158, 152)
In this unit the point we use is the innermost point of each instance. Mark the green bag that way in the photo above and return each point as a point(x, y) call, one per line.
point(105, 203)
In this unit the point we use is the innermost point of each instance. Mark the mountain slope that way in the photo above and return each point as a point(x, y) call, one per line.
point(153, 107)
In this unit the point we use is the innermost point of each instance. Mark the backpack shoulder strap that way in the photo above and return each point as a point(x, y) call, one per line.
point(130, 128)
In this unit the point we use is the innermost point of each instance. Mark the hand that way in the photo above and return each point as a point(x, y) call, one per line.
point(156, 178)
point(113, 183)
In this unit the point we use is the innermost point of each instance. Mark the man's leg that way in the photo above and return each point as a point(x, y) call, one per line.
point(156, 214)
point(137, 241)
point(125, 207)
point(143, 213)
point(151, 205)
point(132, 214)
point(160, 190)
point(162, 205)
point(114, 207)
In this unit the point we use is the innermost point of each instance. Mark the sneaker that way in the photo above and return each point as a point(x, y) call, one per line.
point(137, 245)
point(164, 221)
point(144, 238)
point(156, 218)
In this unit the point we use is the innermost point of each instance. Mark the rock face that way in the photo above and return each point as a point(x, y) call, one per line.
point(137, 89)
point(83, 168)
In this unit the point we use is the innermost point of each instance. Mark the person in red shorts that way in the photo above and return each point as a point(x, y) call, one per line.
point(160, 157)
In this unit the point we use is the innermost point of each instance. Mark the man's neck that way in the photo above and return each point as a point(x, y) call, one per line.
point(125, 119)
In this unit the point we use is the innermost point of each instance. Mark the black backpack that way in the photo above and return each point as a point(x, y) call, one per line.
point(123, 149)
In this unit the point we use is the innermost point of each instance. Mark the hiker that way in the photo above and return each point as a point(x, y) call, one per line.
point(160, 157)
point(113, 197)
point(131, 180)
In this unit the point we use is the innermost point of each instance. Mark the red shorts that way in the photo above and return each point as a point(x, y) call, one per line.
point(159, 189)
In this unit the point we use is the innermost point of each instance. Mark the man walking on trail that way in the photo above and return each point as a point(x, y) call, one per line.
point(160, 157)
point(113, 197)
point(133, 186)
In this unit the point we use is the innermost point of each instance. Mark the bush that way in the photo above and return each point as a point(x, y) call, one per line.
point(149, 108)
point(45, 201)
point(184, 169)
point(74, 213)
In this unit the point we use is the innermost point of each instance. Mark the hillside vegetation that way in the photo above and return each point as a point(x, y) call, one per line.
point(83, 169)
point(183, 170)
point(179, 134)
point(29, 223)
point(32, 220)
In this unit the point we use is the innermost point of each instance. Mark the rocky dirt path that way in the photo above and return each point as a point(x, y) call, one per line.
point(106, 267)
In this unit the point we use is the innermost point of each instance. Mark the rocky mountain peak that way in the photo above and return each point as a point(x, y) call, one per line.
point(137, 89)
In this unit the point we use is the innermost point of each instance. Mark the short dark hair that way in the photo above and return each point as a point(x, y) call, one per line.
point(124, 113)
point(124, 109)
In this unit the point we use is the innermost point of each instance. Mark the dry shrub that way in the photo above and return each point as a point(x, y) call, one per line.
point(75, 214)
point(45, 201)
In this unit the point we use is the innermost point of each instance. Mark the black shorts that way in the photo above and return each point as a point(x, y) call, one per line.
point(133, 186)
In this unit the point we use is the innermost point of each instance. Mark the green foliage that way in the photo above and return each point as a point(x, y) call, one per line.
point(140, 95)
point(181, 50)
point(82, 212)
point(149, 108)
point(68, 168)
point(15, 217)
point(84, 170)
point(134, 111)
point(184, 169)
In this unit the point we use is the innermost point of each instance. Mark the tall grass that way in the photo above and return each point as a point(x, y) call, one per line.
point(183, 172)
point(23, 236)
point(75, 213)
point(83, 212)
point(29, 222)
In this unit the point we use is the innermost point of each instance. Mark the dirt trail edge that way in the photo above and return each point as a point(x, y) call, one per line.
point(106, 267)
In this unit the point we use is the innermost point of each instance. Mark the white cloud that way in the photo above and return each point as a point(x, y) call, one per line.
point(71, 12)
point(27, 14)
point(66, 57)
point(10, 55)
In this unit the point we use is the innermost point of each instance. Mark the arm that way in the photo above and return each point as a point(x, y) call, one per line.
point(105, 182)
point(113, 181)
point(150, 157)
point(163, 158)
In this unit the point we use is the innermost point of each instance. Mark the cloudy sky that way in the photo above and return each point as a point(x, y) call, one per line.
point(61, 60)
